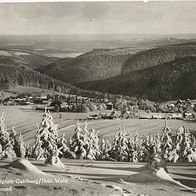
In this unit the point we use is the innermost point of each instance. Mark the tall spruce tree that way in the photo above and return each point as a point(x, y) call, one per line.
point(46, 141)
point(20, 147)
point(7, 150)
point(119, 149)
point(85, 143)
point(166, 141)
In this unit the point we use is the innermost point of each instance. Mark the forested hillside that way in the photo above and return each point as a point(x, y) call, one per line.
point(163, 73)
point(13, 75)
point(24, 58)
point(157, 56)
point(18, 67)
point(94, 65)
point(101, 64)
point(167, 81)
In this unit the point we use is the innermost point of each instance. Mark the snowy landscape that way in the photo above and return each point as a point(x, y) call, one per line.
point(99, 101)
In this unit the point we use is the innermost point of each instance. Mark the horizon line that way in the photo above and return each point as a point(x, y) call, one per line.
point(87, 34)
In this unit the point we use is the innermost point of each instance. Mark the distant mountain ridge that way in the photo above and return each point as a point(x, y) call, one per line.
point(94, 65)
point(100, 64)
point(172, 80)
point(24, 58)
point(159, 55)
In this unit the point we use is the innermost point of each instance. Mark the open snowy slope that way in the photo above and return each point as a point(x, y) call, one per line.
point(83, 177)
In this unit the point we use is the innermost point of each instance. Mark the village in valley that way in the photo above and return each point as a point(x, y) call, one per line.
point(106, 106)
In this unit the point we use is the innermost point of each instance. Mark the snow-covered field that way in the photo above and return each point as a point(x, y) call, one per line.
point(84, 177)
point(24, 120)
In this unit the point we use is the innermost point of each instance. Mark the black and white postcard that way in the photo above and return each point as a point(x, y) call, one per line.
point(97, 98)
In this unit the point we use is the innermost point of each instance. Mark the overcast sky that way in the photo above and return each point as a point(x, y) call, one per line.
point(98, 18)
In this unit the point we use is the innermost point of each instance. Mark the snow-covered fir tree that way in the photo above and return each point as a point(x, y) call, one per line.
point(93, 150)
point(166, 141)
point(46, 138)
point(85, 143)
point(132, 148)
point(63, 144)
point(7, 150)
point(4, 135)
point(119, 149)
point(104, 149)
point(37, 151)
point(192, 150)
point(20, 147)
point(78, 143)
point(13, 136)
point(186, 144)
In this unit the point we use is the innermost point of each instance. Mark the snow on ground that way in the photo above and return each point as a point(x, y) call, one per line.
point(84, 177)
point(39, 49)
point(21, 53)
point(24, 119)
point(4, 53)
point(24, 164)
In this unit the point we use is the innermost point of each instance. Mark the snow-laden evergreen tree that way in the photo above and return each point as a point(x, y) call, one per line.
point(104, 149)
point(186, 144)
point(13, 136)
point(119, 149)
point(93, 150)
point(64, 146)
point(135, 150)
point(85, 143)
point(157, 143)
point(53, 157)
point(166, 141)
point(192, 150)
point(7, 150)
point(20, 147)
point(46, 138)
point(173, 155)
point(78, 142)
point(147, 148)
point(179, 139)
point(4, 135)
point(28, 151)
point(37, 151)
